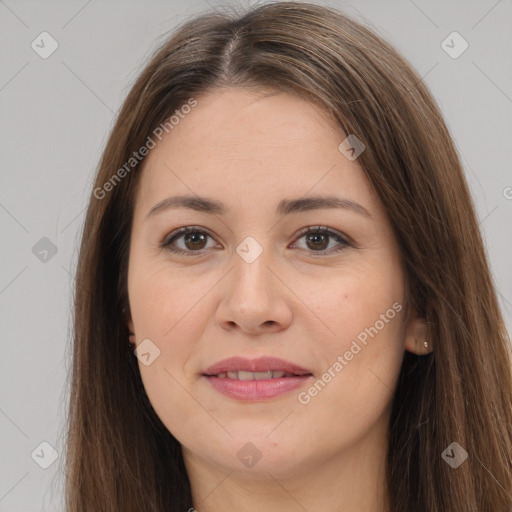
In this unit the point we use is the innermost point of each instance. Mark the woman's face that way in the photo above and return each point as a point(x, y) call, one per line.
point(249, 282)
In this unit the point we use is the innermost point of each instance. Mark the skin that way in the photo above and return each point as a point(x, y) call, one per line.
point(250, 151)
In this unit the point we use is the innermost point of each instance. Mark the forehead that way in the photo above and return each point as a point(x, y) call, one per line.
point(254, 149)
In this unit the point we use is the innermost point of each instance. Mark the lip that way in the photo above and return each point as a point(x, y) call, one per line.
point(256, 390)
point(261, 364)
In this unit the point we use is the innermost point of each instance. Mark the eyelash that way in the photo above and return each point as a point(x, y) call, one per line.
point(168, 240)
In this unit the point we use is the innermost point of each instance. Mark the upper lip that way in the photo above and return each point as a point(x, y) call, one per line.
point(261, 364)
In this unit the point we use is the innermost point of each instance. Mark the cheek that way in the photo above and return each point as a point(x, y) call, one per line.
point(347, 301)
point(162, 298)
point(166, 308)
point(354, 393)
point(359, 340)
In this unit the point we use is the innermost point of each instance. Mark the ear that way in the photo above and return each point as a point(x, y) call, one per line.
point(416, 335)
point(129, 322)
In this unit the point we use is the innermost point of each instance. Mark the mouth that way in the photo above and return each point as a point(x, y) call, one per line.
point(256, 379)
point(255, 369)
point(244, 375)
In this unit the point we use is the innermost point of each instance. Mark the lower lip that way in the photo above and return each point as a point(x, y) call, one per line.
point(252, 390)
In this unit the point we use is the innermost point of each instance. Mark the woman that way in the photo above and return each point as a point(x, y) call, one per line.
point(282, 298)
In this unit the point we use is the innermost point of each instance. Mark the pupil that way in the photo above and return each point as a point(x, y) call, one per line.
point(190, 237)
point(315, 238)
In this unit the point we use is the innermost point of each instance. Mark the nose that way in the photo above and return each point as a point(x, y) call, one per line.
point(255, 298)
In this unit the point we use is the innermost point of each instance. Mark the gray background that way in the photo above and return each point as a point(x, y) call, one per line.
point(55, 117)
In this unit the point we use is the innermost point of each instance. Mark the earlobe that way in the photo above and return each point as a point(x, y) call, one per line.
point(416, 340)
point(418, 346)
point(129, 323)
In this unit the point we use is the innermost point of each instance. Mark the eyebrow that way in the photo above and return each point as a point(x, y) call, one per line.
point(285, 207)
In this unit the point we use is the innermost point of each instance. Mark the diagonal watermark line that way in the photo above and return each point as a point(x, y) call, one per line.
point(73, 283)
point(321, 178)
point(217, 486)
point(292, 497)
point(279, 424)
point(212, 6)
point(485, 15)
point(14, 424)
point(492, 81)
point(219, 218)
point(14, 218)
point(301, 300)
point(492, 211)
point(13, 279)
point(72, 220)
point(206, 293)
point(492, 476)
point(13, 13)
point(13, 77)
point(424, 13)
point(200, 404)
point(424, 76)
point(67, 272)
point(14, 485)
point(73, 17)
point(380, 380)
point(71, 71)
point(505, 299)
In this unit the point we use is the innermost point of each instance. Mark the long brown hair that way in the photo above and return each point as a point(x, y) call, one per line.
point(120, 457)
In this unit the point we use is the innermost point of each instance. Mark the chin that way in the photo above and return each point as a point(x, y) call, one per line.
point(254, 452)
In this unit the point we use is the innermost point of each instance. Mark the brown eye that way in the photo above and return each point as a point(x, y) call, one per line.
point(319, 238)
point(318, 241)
point(192, 240)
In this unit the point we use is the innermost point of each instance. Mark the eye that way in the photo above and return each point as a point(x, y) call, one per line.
point(318, 238)
point(193, 238)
